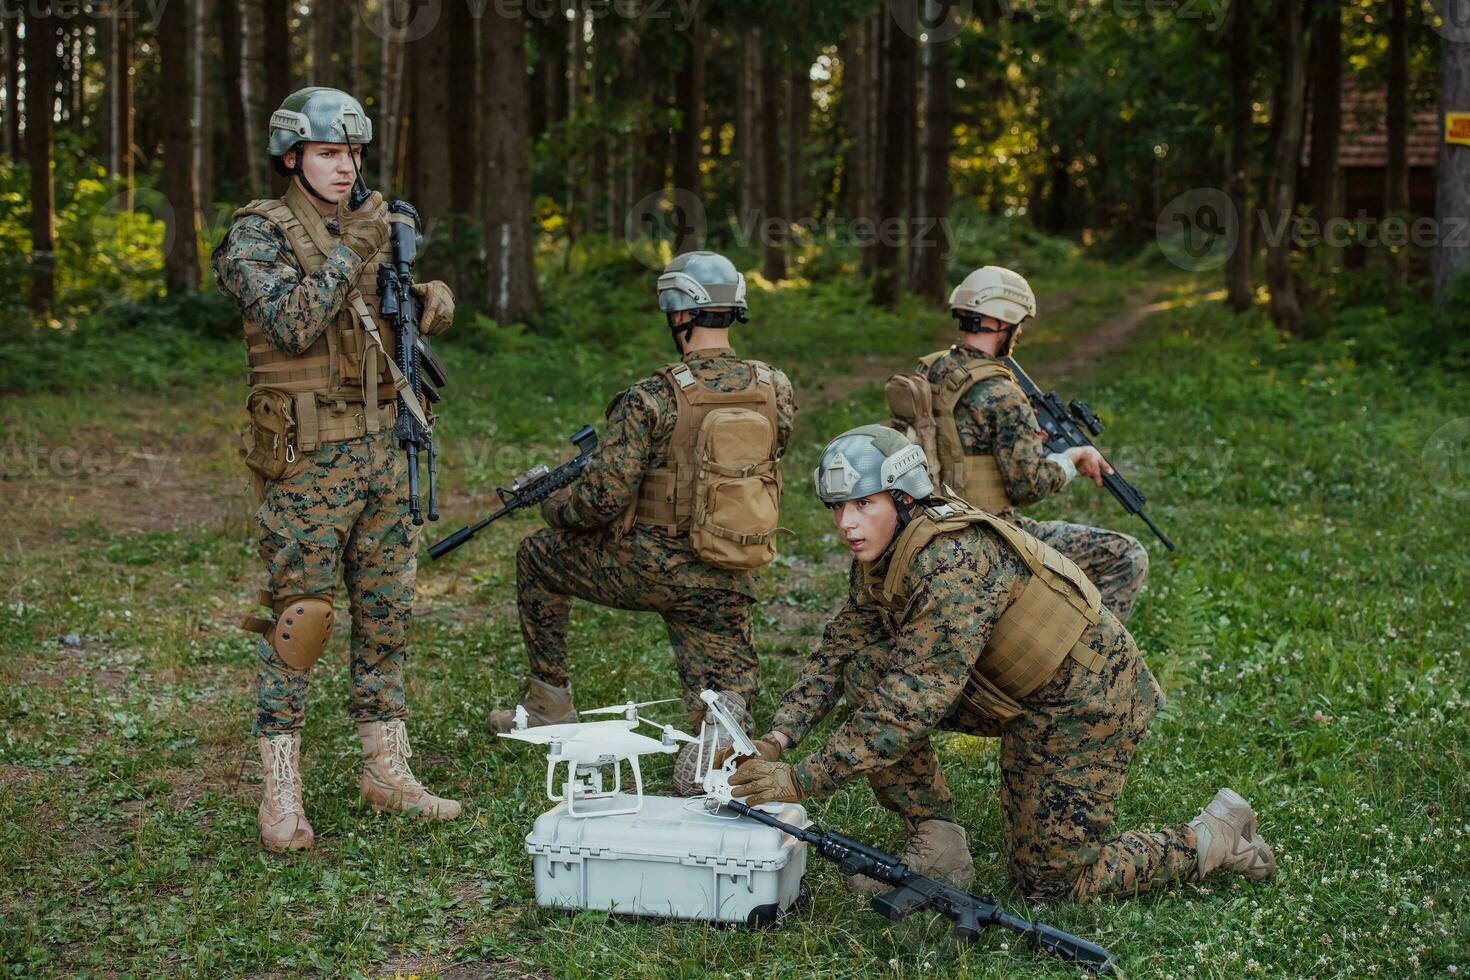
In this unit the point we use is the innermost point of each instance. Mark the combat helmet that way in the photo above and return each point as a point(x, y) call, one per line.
point(706, 283)
point(870, 459)
point(316, 115)
point(996, 292)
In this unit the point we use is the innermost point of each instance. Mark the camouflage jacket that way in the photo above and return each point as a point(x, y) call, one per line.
point(640, 424)
point(254, 266)
point(960, 583)
point(995, 418)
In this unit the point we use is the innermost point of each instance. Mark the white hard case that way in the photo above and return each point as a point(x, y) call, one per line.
point(672, 859)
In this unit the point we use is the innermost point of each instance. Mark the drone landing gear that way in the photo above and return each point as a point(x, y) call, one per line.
point(584, 784)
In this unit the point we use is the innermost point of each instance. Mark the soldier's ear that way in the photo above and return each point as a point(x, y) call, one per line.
point(289, 158)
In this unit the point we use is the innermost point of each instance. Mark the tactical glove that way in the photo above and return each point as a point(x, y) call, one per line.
point(552, 505)
point(437, 301)
point(366, 229)
point(760, 781)
point(765, 748)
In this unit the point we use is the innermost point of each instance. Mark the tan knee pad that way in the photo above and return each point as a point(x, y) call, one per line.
point(302, 628)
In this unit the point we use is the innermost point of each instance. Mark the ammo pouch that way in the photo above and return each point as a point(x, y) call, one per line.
point(911, 401)
point(271, 444)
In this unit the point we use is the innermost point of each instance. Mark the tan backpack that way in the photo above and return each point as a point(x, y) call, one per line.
point(723, 481)
point(911, 402)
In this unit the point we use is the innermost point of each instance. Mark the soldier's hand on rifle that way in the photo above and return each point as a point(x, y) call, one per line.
point(766, 748)
point(437, 301)
point(552, 505)
point(759, 781)
point(366, 229)
point(1089, 463)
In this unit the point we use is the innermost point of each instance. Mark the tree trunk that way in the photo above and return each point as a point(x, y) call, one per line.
point(898, 57)
point(1238, 268)
point(238, 150)
point(200, 109)
point(509, 269)
point(855, 121)
point(748, 129)
point(879, 159)
point(106, 32)
point(276, 57)
point(689, 139)
point(181, 263)
point(429, 170)
point(1396, 191)
point(390, 71)
point(1452, 203)
point(40, 59)
point(464, 125)
point(798, 110)
point(773, 222)
point(928, 243)
point(1324, 174)
point(126, 110)
point(10, 28)
point(1286, 309)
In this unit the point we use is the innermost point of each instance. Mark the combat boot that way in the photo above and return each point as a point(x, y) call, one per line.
point(715, 738)
point(282, 818)
point(937, 849)
point(544, 704)
point(1225, 837)
point(388, 783)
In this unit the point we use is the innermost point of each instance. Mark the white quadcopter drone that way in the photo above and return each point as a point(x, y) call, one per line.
point(589, 747)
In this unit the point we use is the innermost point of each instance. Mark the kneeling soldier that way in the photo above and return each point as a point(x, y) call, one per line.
point(959, 621)
point(991, 449)
point(677, 508)
point(303, 271)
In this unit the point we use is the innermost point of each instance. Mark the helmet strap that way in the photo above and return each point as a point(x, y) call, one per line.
point(702, 318)
point(905, 511)
point(970, 323)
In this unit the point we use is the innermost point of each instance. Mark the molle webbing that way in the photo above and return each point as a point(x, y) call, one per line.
point(1057, 607)
point(976, 478)
point(666, 496)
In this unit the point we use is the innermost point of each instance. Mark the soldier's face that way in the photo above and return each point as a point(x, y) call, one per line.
point(329, 168)
point(867, 524)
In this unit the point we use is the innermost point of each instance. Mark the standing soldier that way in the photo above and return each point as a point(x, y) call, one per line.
point(959, 621)
point(645, 528)
point(303, 270)
point(991, 450)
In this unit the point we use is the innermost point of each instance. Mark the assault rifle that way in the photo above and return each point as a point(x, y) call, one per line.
point(421, 368)
point(1064, 424)
point(531, 487)
point(913, 892)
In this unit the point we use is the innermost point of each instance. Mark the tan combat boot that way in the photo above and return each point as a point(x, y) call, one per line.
point(937, 849)
point(1225, 837)
point(388, 783)
point(715, 738)
point(544, 704)
point(282, 818)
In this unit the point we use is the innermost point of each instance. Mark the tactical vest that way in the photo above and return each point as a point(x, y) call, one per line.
point(666, 498)
point(976, 478)
point(1048, 623)
point(341, 387)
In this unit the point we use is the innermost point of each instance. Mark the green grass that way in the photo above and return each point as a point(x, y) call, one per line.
point(1311, 633)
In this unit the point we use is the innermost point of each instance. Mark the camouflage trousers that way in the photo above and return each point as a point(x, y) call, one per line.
point(1063, 763)
point(1117, 563)
point(348, 508)
point(710, 629)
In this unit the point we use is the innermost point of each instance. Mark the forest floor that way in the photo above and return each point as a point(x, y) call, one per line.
point(1310, 633)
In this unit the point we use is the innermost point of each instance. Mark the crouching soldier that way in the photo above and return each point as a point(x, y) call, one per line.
point(673, 514)
point(990, 449)
point(959, 621)
point(303, 271)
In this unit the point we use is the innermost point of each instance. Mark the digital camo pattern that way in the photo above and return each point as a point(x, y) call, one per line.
point(254, 266)
point(347, 509)
point(1063, 761)
point(709, 628)
point(706, 610)
point(995, 417)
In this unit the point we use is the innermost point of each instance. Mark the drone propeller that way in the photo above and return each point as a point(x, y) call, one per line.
point(669, 732)
point(618, 709)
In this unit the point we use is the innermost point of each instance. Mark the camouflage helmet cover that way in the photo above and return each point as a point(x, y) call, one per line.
point(701, 281)
point(318, 115)
point(868, 460)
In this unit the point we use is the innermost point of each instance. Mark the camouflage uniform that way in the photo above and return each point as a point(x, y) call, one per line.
point(1063, 761)
point(995, 418)
point(348, 507)
point(706, 610)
